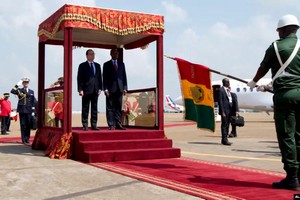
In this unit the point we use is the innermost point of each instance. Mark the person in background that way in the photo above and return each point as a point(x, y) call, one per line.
point(125, 111)
point(115, 86)
point(57, 108)
point(234, 112)
point(25, 108)
point(89, 83)
point(283, 58)
point(225, 110)
point(5, 113)
point(58, 83)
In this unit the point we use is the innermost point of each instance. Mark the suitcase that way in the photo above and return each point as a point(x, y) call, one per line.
point(33, 123)
point(237, 120)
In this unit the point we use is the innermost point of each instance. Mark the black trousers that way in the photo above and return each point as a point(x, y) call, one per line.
point(114, 109)
point(88, 99)
point(25, 124)
point(225, 122)
point(57, 121)
point(233, 129)
point(4, 123)
point(8, 124)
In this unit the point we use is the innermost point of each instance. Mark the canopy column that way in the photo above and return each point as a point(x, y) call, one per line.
point(160, 81)
point(67, 106)
point(41, 83)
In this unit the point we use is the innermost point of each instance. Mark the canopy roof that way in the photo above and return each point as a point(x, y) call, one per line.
point(109, 28)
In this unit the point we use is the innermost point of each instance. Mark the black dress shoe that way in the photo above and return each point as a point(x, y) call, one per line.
point(111, 128)
point(27, 143)
point(291, 184)
point(226, 143)
point(85, 128)
point(231, 135)
point(95, 128)
point(120, 128)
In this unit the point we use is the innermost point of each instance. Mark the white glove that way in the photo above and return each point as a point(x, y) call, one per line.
point(251, 84)
point(20, 83)
point(261, 88)
point(264, 88)
point(269, 87)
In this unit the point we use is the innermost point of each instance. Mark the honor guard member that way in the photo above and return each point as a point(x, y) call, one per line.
point(25, 108)
point(5, 113)
point(283, 58)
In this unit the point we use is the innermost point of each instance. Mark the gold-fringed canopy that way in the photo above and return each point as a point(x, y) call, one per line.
point(102, 26)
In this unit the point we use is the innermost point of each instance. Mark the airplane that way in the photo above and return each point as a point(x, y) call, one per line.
point(175, 107)
point(179, 108)
point(248, 99)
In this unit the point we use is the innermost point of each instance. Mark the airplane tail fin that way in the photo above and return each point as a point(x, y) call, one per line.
point(171, 103)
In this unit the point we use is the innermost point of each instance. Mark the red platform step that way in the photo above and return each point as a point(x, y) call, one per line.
point(120, 145)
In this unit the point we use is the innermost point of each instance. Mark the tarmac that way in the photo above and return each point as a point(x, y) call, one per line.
point(28, 174)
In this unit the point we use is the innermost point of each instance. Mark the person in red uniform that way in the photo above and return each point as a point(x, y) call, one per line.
point(5, 113)
point(57, 107)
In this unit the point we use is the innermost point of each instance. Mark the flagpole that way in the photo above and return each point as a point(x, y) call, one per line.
point(226, 75)
point(235, 78)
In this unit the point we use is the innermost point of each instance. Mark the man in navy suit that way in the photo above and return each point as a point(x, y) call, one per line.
point(89, 83)
point(26, 108)
point(115, 86)
point(225, 109)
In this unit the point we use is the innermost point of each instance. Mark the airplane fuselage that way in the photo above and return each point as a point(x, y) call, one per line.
point(247, 98)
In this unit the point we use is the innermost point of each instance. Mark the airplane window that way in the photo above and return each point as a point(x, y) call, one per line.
point(251, 89)
point(245, 89)
point(238, 89)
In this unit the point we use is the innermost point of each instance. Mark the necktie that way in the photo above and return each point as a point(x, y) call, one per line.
point(228, 93)
point(116, 66)
point(92, 67)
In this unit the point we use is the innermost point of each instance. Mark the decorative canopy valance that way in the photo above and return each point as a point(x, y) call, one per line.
point(102, 26)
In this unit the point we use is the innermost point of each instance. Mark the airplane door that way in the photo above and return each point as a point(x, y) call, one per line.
point(216, 89)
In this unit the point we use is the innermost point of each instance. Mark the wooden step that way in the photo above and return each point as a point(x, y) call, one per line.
point(125, 144)
point(117, 145)
point(118, 135)
point(133, 154)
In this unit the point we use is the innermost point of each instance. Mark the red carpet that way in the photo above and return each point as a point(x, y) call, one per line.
point(13, 139)
point(120, 145)
point(203, 179)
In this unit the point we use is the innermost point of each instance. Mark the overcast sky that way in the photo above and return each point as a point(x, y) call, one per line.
point(229, 36)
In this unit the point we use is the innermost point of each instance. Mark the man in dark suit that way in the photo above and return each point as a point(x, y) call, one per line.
point(89, 83)
point(115, 86)
point(225, 110)
point(26, 108)
point(234, 112)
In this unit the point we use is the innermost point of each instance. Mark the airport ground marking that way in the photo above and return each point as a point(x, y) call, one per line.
point(229, 156)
